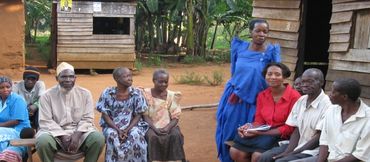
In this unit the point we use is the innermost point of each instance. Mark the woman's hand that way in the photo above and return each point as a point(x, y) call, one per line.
point(122, 135)
point(157, 131)
point(249, 134)
point(243, 128)
point(164, 130)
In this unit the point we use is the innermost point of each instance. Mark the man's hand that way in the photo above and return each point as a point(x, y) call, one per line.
point(32, 109)
point(73, 146)
point(66, 140)
point(281, 155)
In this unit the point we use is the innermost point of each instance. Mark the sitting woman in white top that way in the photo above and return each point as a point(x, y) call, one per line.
point(165, 141)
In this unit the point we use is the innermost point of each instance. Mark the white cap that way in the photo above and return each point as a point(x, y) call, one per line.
point(64, 66)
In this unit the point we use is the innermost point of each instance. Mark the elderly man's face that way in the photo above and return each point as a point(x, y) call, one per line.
point(67, 79)
point(310, 84)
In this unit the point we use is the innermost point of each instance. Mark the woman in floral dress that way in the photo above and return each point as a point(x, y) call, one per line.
point(122, 108)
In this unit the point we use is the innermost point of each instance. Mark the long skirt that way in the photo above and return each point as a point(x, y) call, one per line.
point(167, 147)
point(133, 149)
point(229, 118)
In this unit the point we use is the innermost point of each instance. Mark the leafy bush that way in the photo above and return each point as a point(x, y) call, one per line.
point(217, 78)
point(193, 60)
point(138, 65)
point(189, 78)
point(154, 61)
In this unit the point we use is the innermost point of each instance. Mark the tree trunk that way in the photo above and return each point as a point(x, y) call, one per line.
point(190, 36)
point(214, 35)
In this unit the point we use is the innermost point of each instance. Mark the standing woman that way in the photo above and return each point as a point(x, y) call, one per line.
point(237, 105)
point(124, 130)
point(273, 108)
point(13, 118)
point(165, 141)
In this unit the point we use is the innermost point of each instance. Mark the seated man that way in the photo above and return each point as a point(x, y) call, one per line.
point(31, 88)
point(305, 116)
point(67, 119)
point(345, 132)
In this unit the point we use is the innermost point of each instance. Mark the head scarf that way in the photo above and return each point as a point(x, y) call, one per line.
point(64, 66)
point(5, 79)
point(31, 72)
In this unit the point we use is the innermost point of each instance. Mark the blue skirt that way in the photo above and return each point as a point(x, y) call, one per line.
point(256, 144)
point(229, 118)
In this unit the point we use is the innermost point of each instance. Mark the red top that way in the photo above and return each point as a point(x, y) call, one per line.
point(275, 114)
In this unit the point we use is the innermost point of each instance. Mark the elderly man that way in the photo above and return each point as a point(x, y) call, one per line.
point(345, 134)
point(67, 119)
point(31, 88)
point(306, 116)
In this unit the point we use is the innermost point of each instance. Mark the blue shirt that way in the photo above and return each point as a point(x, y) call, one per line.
point(15, 108)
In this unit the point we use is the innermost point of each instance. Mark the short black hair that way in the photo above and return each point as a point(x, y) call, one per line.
point(158, 72)
point(348, 86)
point(284, 69)
point(27, 133)
point(253, 22)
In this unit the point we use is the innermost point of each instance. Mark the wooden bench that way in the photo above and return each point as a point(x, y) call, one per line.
point(59, 156)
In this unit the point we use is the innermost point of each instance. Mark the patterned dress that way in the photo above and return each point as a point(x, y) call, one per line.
point(134, 149)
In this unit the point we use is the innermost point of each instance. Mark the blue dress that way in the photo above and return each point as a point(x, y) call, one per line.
point(14, 108)
point(246, 82)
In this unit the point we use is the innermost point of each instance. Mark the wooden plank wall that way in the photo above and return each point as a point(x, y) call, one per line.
point(283, 17)
point(345, 61)
point(79, 46)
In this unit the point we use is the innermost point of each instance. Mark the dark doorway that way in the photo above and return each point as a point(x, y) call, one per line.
point(314, 36)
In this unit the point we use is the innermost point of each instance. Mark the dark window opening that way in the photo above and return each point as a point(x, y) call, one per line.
point(111, 25)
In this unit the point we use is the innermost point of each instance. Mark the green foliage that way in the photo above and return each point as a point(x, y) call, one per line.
point(44, 47)
point(155, 61)
point(189, 78)
point(222, 56)
point(138, 65)
point(38, 17)
point(189, 59)
point(193, 78)
point(217, 78)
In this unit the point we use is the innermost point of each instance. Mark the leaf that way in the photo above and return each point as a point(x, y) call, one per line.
point(152, 5)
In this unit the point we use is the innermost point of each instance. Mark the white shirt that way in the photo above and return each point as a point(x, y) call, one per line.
point(307, 118)
point(350, 137)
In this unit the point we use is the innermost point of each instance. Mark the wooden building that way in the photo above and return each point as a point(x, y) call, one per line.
point(332, 35)
point(12, 60)
point(95, 35)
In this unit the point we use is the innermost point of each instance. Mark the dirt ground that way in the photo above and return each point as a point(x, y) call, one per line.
point(198, 126)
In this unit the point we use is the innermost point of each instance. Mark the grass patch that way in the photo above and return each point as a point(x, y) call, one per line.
point(138, 65)
point(155, 61)
point(217, 78)
point(193, 60)
point(193, 78)
point(189, 78)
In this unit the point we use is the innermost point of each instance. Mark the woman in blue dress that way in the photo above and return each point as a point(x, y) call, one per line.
point(124, 130)
point(237, 105)
point(13, 118)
